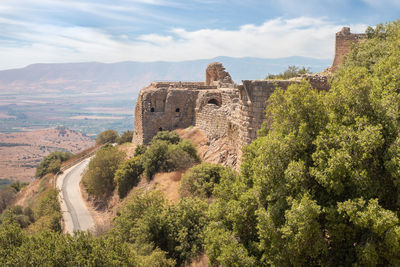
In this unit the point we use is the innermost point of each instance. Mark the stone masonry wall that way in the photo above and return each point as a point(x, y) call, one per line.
point(234, 114)
point(213, 117)
point(163, 108)
point(343, 42)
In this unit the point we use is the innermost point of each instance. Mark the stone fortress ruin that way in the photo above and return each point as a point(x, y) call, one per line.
point(343, 42)
point(218, 106)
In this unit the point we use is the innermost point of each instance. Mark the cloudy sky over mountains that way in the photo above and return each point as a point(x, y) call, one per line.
point(33, 31)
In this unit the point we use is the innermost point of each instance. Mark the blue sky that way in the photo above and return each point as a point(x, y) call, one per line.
point(33, 31)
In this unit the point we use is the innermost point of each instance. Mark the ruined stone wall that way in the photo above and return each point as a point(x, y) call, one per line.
point(225, 112)
point(214, 111)
point(253, 101)
point(343, 42)
point(163, 108)
point(138, 124)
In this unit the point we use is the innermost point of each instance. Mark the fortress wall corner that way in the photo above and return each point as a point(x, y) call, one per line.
point(138, 124)
point(160, 108)
point(253, 101)
point(343, 41)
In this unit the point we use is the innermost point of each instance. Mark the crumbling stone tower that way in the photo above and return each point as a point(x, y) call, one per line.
point(344, 40)
point(216, 74)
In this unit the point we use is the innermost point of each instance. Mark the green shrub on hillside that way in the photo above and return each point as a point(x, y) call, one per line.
point(47, 212)
point(155, 158)
point(181, 156)
point(291, 72)
point(149, 222)
point(128, 175)
point(200, 180)
point(126, 137)
point(107, 136)
point(99, 178)
point(52, 163)
point(48, 248)
point(169, 137)
point(139, 150)
point(166, 153)
point(24, 217)
point(7, 196)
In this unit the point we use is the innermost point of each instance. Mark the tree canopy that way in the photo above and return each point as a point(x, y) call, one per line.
point(324, 179)
point(52, 163)
point(107, 136)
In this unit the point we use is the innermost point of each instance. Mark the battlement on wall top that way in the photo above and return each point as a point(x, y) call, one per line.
point(183, 85)
point(345, 32)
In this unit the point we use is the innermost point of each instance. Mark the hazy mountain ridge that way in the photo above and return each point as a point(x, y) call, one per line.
point(134, 72)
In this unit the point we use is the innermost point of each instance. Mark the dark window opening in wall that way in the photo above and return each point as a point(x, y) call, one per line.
point(177, 110)
point(152, 110)
point(160, 129)
point(213, 101)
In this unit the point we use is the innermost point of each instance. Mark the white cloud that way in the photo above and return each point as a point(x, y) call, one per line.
point(303, 36)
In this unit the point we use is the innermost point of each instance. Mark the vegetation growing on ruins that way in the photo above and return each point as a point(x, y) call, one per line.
point(290, 72)
point(321, 186)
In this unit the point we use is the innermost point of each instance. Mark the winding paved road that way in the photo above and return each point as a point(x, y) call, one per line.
point(75, 212)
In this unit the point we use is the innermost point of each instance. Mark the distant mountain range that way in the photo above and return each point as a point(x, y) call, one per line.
point(91, 97)
point(141, 73)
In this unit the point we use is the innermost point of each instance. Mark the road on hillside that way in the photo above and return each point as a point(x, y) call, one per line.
point(75, 212)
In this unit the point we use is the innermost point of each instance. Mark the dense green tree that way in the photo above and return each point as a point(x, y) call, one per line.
point(167, 152)
point(18, 215)
point(128, 175)
point(149, 222)
point(170, 137)
point(139, 150)
point(49, 248)
point(201, 179)
point(52, 163)
point(324, 174)
point(99, 178)
point(107, 136)
point(155, 158)
point(126, 137)
point(47, 212)
point(181, 156)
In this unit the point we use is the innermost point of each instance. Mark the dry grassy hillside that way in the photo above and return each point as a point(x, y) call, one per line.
point(21, 152)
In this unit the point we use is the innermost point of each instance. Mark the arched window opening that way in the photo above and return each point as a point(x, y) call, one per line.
point(152, 110)
point(213, 101)
point(177, 110)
